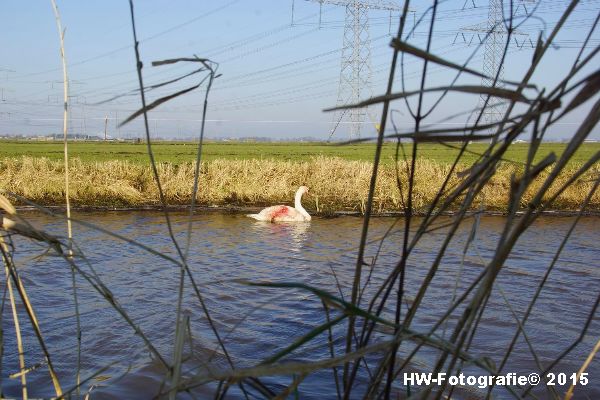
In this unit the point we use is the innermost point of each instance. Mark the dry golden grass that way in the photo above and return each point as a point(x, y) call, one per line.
point(335, 184)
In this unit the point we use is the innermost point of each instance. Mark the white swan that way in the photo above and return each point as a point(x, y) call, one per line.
point(285, 213)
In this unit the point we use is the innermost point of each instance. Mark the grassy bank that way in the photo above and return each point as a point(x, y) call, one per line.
point(180, 152)
point(336, 184)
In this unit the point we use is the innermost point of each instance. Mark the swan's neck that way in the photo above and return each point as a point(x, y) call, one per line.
point(299, 207)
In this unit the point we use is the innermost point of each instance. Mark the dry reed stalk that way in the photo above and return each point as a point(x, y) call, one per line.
point(11, 271)
point(18, 337)
point(586, 363)
point(36, 327)
point(61, 34)
point(6, 205)
point(178, 355)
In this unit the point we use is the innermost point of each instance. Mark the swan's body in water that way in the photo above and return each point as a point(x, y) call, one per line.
point(285, 213)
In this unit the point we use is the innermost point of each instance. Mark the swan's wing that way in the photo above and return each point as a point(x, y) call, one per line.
point(276, 211)
point(289, 215)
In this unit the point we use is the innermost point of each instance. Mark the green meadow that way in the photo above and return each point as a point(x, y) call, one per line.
point(180, 152)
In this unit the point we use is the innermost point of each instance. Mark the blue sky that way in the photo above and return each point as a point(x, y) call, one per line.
point(277, 76)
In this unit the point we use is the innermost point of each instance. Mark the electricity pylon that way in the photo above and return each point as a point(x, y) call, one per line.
point(495, 42)
point(492, 62)
point(355, 71)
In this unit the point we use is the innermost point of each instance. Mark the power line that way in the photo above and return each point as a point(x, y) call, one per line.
point(228, 47)
point(119, 49)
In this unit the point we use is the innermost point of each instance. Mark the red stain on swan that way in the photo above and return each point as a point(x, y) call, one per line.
point(279, 212)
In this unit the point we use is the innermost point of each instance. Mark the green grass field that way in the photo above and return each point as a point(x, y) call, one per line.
point(177, 152)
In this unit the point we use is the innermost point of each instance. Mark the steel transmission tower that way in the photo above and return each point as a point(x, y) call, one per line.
point(495, 42)
point(492, 58)
point(355, 71)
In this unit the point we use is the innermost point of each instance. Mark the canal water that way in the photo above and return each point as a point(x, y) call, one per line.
point(255, 322)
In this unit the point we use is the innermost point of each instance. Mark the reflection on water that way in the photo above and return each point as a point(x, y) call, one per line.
point(256, 322)
point(294, 233)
